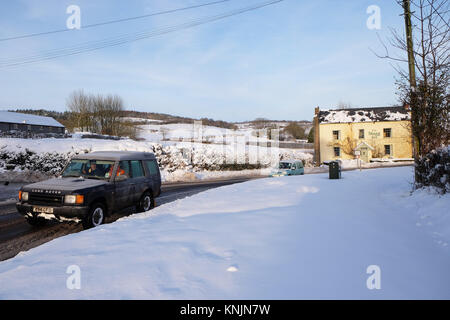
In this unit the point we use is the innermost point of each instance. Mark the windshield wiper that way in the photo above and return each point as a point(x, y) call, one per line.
point(92, 177)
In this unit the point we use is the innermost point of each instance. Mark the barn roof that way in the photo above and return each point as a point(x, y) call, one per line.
point(364, 115)
point(22, 118)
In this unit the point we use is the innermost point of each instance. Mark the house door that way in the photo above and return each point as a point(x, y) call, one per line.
point(364, 154)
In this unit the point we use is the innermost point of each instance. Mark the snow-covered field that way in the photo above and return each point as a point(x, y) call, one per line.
point(286, 238)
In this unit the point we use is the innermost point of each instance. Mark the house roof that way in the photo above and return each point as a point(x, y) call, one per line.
point(364, 115)
point(22, 118)
point(364, 144)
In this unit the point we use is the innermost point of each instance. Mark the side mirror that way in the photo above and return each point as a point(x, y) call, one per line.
point(120, 178)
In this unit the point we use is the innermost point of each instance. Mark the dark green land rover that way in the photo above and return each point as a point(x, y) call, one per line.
point(91, 187)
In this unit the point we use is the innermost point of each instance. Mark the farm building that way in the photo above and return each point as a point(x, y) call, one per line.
point(28, 124)
point(368, 133)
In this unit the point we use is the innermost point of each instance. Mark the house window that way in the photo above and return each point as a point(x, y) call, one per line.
point(336, 134)
point(361, 133)
point(337, 151)
point(387, 150)
point(387, 132)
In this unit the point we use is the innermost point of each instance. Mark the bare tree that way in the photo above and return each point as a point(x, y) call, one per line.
point(99, 114)
point(79, 104)
point(429, 100)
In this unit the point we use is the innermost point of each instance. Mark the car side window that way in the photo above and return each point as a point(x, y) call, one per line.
point(123, 169)
point(152, 167)
point(136, 169)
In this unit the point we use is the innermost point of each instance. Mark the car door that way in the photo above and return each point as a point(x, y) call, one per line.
point(294, 169)
point(123, 196)
point(138, 180)
point(154, 175)
point(301, 169)
point(297, 168)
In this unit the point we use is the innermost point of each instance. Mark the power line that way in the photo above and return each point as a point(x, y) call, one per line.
point(113, 21)
point(97, 45)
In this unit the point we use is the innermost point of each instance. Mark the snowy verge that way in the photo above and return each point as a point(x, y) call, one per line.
point(285, 238)
point(188, 176)
point(355, 163)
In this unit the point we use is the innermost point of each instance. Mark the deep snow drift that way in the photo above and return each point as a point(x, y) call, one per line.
point(285, 238)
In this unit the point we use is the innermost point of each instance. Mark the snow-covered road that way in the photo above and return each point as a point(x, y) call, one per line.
point(286, 238)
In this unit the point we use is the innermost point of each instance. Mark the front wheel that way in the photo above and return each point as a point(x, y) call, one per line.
point(95, 217)
point(146, 203)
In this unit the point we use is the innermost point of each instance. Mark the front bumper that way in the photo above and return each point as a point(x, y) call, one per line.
point(278, 175)
point(62, 213)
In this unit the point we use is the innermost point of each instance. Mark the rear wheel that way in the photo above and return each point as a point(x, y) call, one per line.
point(95, 217)
point(146, 203)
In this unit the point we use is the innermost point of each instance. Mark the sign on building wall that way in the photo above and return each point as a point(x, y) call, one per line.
point(374, 134)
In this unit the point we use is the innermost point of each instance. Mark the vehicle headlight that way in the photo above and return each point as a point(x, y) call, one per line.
point(24, 196)
point(73, 199)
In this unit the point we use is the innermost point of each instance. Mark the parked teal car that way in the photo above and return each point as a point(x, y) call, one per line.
point(289, 168)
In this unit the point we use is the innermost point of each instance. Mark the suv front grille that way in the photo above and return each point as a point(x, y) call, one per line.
point(45, 199)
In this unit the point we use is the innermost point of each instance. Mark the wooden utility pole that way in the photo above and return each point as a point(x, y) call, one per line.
point(412, 75)
point(409, 42)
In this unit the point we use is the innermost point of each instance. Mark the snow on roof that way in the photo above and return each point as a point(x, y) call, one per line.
point(22, 118)
point(364, 115)
point(116, 155)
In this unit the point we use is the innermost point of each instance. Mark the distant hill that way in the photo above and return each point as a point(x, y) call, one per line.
point(168, 119)
point(46, 113)
point(63, 118)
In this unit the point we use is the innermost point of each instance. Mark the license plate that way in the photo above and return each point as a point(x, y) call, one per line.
point(43, 209)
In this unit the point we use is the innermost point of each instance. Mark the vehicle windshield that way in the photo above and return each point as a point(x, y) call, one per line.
point(90, 169)
point(285, 165)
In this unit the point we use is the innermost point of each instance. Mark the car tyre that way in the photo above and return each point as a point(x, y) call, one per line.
point(146, 203)
point(95, 217)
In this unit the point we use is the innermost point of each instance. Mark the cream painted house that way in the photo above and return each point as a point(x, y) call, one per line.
point(371, 133)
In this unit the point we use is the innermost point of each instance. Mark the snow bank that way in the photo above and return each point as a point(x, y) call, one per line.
point(50, 155)
point(354, 163)
point(286, 238)
point(74, 144)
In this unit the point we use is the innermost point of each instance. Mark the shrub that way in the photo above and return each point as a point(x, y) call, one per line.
point(434, 170)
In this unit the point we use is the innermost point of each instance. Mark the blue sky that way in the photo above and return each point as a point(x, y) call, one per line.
point(278, 62)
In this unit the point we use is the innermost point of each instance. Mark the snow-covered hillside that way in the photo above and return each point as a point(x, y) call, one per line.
point(286, 238)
